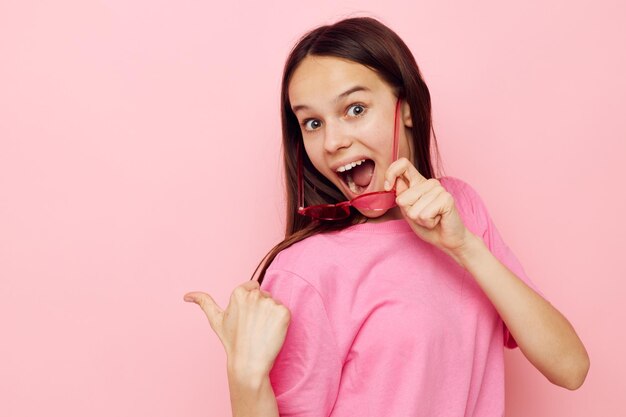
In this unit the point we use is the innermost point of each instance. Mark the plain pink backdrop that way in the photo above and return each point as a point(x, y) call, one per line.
point(125, 127)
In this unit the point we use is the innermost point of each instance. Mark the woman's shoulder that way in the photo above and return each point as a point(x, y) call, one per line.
point(301, 256)
point(298, 268)
point(460, 188)
point(452, 184)
point(466, 199)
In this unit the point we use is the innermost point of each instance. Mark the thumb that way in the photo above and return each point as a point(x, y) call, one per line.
point(401, 185)
point(213, 312)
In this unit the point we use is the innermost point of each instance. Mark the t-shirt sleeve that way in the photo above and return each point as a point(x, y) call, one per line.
point(307, 371)
point(486, 228)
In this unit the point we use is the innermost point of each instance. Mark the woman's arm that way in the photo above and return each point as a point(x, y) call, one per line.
point(542, 333)
point(545, 337)
point(251, 395)
point(252, 329)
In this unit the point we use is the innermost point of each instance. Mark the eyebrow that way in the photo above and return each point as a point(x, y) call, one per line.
point(339, 97)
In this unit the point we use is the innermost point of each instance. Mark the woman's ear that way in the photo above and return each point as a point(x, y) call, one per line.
point(406, 114)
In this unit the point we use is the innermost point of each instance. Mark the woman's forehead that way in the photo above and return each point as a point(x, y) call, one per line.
point(324, 80)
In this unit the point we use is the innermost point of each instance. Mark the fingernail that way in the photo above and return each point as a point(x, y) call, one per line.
point(387, 186)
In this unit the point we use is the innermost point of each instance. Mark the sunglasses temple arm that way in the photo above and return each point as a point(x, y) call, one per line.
point(300, 191)
point(395, 133)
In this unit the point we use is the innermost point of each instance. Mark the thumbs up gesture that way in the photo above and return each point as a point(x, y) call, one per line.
point(252, 329)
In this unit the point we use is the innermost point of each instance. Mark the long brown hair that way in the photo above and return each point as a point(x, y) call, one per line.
point(366, 41)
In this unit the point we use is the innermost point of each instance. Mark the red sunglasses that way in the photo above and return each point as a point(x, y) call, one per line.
point(376, 201)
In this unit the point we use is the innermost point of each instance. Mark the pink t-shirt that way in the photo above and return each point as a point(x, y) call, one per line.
point(385, 324)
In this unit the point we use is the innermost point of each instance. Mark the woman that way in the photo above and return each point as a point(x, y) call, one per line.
point(400, 300)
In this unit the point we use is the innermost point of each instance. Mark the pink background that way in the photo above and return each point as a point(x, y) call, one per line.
point(139, 160)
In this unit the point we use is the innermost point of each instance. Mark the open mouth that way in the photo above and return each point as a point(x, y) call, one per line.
point(359, 178)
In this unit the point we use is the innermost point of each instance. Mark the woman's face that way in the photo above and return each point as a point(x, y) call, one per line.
point(339, 128)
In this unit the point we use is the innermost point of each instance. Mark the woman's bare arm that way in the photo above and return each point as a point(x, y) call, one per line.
point(542, 333)
point(252, 329)
point(250, 395)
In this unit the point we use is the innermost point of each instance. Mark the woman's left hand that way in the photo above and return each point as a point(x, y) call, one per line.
point(427, 207)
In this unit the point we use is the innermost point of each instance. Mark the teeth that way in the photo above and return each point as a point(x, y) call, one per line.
point(349, 166)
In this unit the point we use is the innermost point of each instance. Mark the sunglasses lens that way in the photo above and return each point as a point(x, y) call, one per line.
point(376, 201)
point(379, 200)
point(328, 212)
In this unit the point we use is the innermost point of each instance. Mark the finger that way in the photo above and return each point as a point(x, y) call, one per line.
point(213, 312)
point(418, 193)
point(415, 211)
point(401, 185)
point(432, 213)
point(405, 169)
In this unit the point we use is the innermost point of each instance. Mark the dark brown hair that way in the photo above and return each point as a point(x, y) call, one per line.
point(366, 41)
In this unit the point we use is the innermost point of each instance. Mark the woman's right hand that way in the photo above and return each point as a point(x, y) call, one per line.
point(252, 328)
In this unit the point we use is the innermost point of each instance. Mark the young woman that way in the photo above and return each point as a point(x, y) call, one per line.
point(393, 293)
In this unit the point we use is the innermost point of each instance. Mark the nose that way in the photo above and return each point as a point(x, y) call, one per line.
point(336, 137)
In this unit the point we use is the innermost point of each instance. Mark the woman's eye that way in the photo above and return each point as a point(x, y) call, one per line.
point(306, 124)
point(357, 106)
